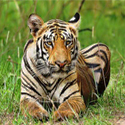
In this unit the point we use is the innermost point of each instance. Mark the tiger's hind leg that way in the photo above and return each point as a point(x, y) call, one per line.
point(34, 108)
point(97, 59)
point(104, 79)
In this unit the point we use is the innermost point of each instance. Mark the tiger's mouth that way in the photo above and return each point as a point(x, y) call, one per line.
point(57, 69)
point(57, 72)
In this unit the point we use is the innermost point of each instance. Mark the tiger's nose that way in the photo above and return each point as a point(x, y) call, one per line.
point(61, 64)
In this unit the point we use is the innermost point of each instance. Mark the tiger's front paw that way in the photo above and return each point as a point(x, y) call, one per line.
point(40, 115)
point(61, 115)
point(28, 107)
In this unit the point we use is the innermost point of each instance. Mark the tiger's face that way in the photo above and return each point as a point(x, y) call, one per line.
point(56, 45)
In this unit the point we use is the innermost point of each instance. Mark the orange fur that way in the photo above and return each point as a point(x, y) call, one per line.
point(86, 85)
point(33, 109)
point(70, 108)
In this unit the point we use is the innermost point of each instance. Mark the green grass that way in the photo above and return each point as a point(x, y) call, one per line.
point(107, 18)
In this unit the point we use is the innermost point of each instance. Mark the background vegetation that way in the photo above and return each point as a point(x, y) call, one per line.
point(106, 18)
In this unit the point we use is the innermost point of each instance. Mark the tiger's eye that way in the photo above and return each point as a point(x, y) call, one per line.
point(49, 43)
point(62, 37)
point(68, 43)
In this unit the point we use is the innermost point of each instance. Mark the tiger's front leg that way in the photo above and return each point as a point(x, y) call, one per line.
point(70, 108)
point(34, 108)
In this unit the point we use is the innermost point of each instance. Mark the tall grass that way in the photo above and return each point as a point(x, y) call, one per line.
point(106, 17)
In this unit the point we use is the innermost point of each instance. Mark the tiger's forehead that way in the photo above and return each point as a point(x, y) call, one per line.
point(56, 21)
point(56, 26)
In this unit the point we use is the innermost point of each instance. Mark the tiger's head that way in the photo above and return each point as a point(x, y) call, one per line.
point(56, 45)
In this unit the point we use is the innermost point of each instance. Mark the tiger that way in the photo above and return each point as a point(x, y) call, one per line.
point(57, 73)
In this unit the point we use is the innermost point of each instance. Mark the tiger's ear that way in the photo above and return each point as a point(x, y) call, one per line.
point(34, 23)
point(75, 21)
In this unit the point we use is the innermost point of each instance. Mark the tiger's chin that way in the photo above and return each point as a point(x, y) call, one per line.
point(59, 75)
point(62, 73)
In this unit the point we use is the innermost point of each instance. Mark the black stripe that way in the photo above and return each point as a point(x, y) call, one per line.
point(69, 84)
point(105, 55)
point(68, 76)
point(70, 95)
point(43, 53)
point(38, 38)
point(56, 86)
point(65, 34)
point(60, 26)
point(28, 79)
point(57, 25)
point(96, 54)
point(33, 74)
point(52, 29)
point(80, 59)
point(75, 56)
point(86, 57)
point(51, 26)
point(41, 84)
point(27, 65)
point(24, 86)
point(24, 93)
point(37, 50)
point(30, 87)
point(50, 85)
point(76, 48)
point(27, 44)
point(72, 51)
point(98, 70)
point(62, 29)
point(92, 65)
point(97, 45)
point(102, 58)
point(62, 23)
point(92, 80)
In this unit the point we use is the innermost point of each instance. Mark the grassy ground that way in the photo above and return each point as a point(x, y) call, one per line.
point(106, 17)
